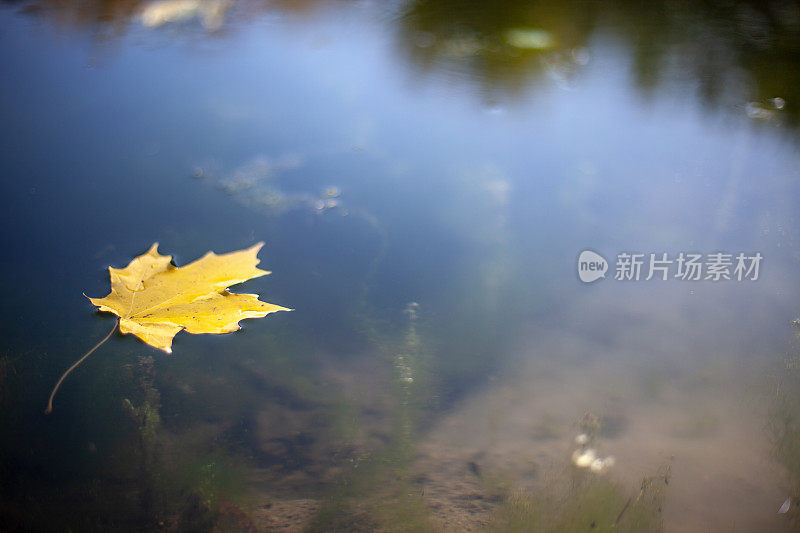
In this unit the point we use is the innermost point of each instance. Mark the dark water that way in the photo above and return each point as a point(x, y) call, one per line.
point(425, 176)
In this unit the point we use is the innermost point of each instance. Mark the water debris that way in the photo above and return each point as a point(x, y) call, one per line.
point(582, 439)
point(587, 458)
point(600, 466)
point(210, 12)
point(530, 38)
point(259, 182)
point(766, 112)
point(584, 458)
point(785, 507)
point(757, 112)
point(256, 171)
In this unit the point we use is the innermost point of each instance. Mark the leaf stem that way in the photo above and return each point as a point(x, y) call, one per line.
point(74, 365)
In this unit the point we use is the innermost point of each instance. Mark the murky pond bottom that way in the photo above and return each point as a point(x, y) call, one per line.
point(568, 439)
point(690, 453)
point(681, 448)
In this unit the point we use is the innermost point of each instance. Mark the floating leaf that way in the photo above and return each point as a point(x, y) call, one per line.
point(154, 299)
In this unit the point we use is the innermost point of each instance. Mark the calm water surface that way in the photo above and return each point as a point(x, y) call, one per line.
point(425, 176)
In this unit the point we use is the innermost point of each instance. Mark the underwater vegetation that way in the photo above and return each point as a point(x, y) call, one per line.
point(784, 425)
point(593, 503)
point(177, 489)
point(147, 420)
point(584, 496)
point(377, 492)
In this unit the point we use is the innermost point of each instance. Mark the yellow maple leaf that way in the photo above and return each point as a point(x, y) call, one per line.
point(154, 299)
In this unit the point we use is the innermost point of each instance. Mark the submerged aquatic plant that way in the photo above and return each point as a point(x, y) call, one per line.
point(377, 493)
point(147, 418)
point(784, 426)
point(590, 504)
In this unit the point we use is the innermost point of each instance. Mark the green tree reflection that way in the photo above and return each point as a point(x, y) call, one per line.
point(730, 53)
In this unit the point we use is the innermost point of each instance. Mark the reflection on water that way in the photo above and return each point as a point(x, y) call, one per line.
point(425, 175)
point(748, 51)
point(726, 55)
point(211, 14)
